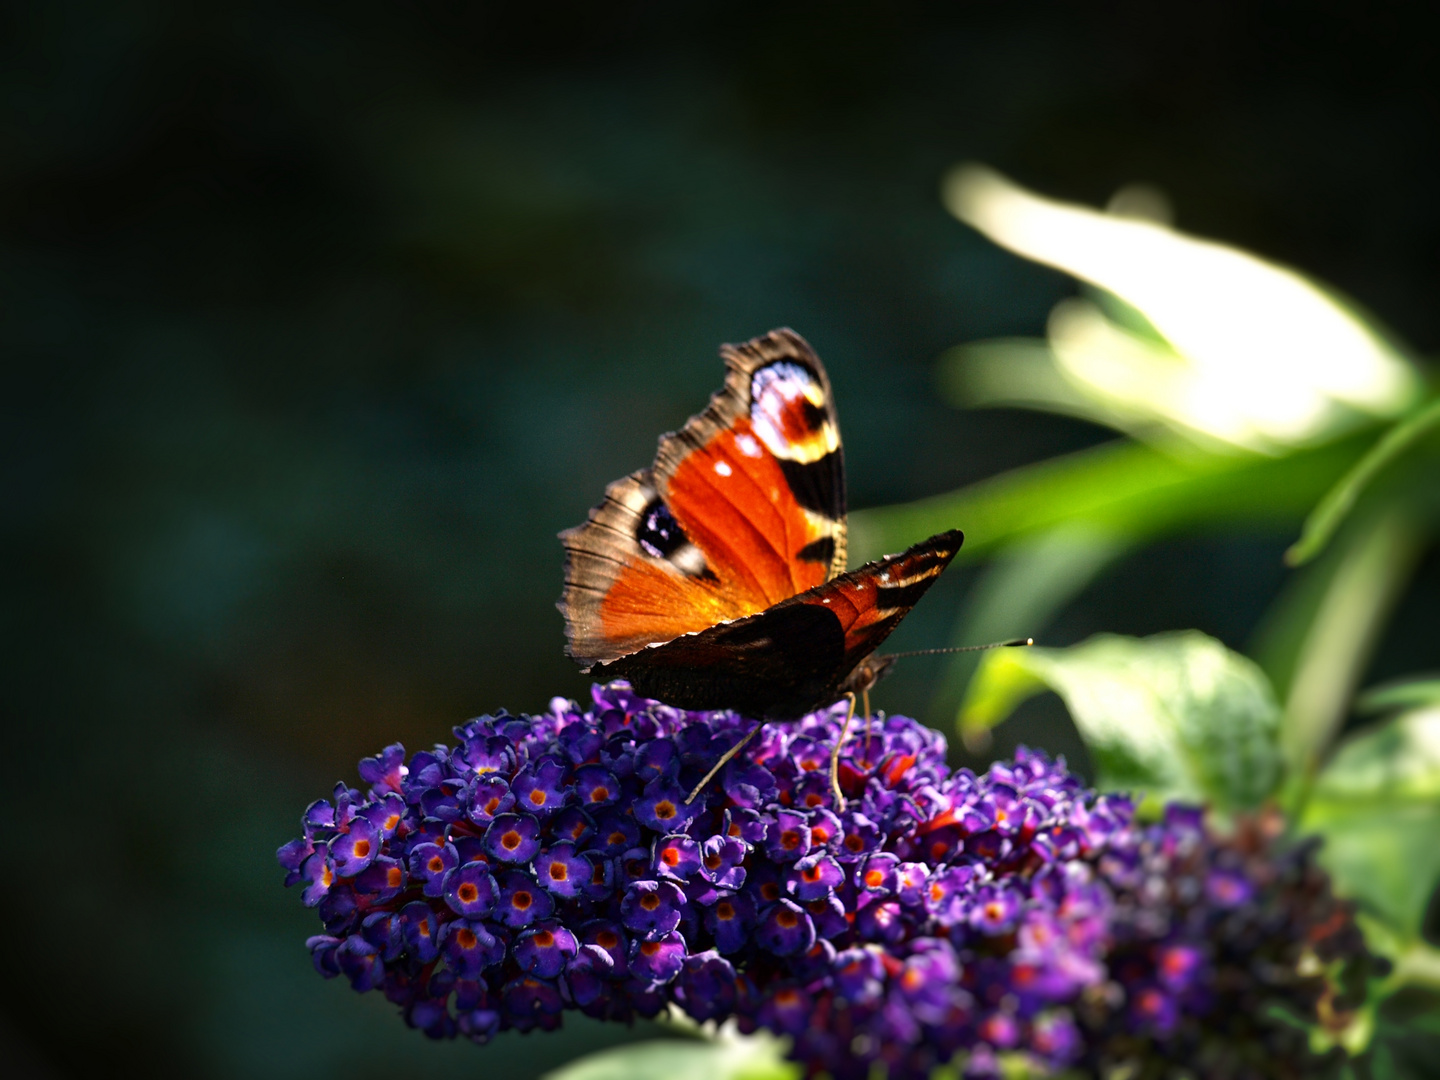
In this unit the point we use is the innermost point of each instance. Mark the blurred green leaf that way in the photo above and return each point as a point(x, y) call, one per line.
point(1332, 510)
point(1004, 680)
point(756, 1057)
point(1397, 759)
point(1126, 489)
point(1419, 966)
point(1020, 593)
point(1382, 1065)
point(1177, 715)
point(1428, 1023)
point(1400, 695)
point(1408, 1026)
point(1377, 804)
point(1232, 346)
point(1017, 373)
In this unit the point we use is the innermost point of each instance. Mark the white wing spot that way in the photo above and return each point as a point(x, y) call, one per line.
point(723, 468)
point(748, 446)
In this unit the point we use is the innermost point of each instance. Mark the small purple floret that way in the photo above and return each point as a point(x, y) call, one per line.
point(513, 838)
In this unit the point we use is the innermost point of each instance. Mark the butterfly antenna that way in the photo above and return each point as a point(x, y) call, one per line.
point(1013, 643)
point(865, 697)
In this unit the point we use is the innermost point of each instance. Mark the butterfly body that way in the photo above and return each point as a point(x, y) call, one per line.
point(715, 578)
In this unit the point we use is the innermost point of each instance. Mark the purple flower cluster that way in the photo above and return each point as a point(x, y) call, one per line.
point(551, 862)
point(1212, 940)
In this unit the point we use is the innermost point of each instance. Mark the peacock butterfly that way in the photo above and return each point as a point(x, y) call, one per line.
point(715, 578)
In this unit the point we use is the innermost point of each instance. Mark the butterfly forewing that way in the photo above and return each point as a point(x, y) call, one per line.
point(743, 507)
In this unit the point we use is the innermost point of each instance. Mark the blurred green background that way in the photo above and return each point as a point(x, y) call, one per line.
point(321, 321)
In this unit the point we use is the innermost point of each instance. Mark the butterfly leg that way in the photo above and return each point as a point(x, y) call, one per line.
point(865, 697)
point(835, 753)
point(721, 763)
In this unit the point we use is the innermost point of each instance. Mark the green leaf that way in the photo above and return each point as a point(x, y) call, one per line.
point(1382, 1064)
point(1177, 715)
point(1020, 373)
point(1019, 594)
point(1124, 489)
point(1004, 680)
point(1249, 331)
point(1377, 804)
point(1419, 966)
point(756, 1057)
point(1332, 510)
point(1402, 694)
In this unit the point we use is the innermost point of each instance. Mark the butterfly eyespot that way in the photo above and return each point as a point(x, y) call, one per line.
point(788, 408)
point(659, 533)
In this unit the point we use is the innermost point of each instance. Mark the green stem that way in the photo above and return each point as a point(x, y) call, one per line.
point(1340, 640)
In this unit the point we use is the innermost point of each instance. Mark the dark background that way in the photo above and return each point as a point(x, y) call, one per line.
point(321, 320)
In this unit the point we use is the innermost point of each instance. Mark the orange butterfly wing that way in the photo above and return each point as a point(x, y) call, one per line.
point(743, 507)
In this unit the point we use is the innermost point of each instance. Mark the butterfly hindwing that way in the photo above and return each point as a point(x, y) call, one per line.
point(743, 507)
point(796, 655)
point(776, 663)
